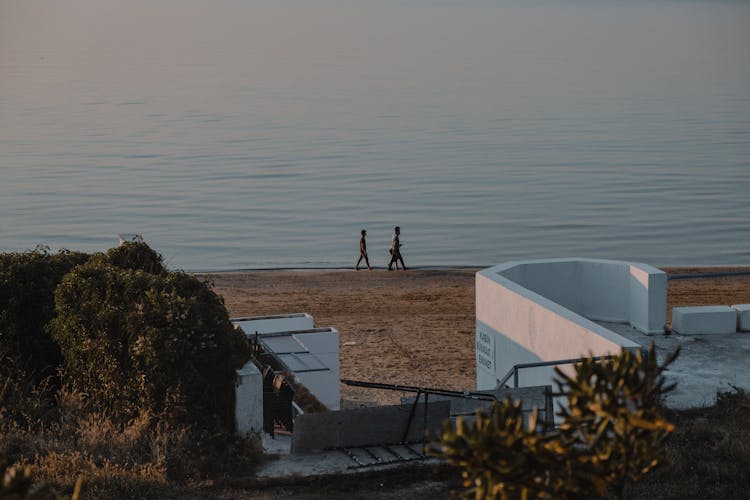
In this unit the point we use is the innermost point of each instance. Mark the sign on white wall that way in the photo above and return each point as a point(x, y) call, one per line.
point(486, 350)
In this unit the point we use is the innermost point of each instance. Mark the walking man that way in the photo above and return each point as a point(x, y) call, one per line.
point(363, 251)
point(396, 250)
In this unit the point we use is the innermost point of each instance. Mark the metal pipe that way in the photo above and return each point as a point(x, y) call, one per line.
point(411, 416)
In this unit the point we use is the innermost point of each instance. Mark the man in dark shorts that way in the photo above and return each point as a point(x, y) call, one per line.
point(363, 251)
point(396, 250)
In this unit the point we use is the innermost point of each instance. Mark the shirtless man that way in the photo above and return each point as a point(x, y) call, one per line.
point(363, 251)
point(396, 250)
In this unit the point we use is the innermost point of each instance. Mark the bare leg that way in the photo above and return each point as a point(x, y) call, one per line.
point(394, 260)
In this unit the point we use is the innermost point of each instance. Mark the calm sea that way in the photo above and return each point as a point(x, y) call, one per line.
point(254, 134)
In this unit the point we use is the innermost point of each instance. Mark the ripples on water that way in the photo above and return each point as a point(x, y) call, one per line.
point(267, 134)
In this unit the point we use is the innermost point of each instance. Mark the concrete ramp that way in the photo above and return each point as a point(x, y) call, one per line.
point(371, 426)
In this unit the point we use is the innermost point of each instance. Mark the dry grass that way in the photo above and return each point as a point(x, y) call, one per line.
point(708, 456)
point(147, 457)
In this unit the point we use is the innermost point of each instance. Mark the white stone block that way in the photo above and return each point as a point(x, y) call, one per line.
point(704, 320)
point(248, 409)
point(743, 313)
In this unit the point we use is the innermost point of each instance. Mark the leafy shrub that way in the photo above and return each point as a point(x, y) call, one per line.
point(27, 284)
point(613, 431)
point(500, 456)
point(135, 255)
point(135, 341)
point(148, 359)
point(614, 410)
point(24, 402)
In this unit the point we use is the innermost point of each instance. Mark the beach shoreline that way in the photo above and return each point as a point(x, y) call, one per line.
point(670, 269)
point(414, 327)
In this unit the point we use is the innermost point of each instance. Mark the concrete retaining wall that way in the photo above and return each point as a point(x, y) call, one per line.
point(543, 310)
point(366, 426)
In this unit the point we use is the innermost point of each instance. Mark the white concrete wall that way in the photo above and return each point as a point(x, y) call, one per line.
point(647, 298)
point(743, 317)
point(536, 278)
point(605, 291)
point(537, 311)
point(248, 408)
point(601, 290)
point(271, 324)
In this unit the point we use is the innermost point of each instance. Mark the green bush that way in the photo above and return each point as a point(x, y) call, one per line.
point(27, 284)
point(135, 255)
point(612, 432)
point(135, 341)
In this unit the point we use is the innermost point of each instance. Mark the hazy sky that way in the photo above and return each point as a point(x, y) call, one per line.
point(449, 111)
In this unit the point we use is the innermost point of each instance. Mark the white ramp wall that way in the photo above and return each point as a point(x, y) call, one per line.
point(543, 310)
point(324, 345)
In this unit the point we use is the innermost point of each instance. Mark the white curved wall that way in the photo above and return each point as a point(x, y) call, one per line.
point(542, 310)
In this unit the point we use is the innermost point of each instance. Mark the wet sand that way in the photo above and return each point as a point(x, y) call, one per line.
point(410, 327)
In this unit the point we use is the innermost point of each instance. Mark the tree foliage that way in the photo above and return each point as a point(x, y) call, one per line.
point(135, 255)
point(614, 409)
point(612, 431)
point(135, 341)
point(500, 455)
point(27, 284)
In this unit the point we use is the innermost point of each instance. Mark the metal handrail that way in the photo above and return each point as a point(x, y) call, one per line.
point(514, 371)
point(420, 391)
point(424, 390)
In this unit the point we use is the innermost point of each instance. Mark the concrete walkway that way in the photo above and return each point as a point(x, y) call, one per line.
point(707, 364)
point(281, 464)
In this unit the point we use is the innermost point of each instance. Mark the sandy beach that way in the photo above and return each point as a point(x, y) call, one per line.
point(410, 327)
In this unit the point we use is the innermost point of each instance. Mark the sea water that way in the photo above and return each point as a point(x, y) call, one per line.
point(257, 134)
